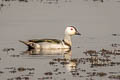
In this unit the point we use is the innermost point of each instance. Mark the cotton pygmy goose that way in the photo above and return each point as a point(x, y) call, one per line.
point(53, 43)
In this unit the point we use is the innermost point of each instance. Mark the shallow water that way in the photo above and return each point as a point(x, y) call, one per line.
point(94, 56)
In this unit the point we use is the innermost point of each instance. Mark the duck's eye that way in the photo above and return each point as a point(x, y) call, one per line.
point(71, 28)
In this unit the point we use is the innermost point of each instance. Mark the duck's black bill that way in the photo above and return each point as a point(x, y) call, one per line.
point(77, 33)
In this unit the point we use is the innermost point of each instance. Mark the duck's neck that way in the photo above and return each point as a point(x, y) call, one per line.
point(67, 40)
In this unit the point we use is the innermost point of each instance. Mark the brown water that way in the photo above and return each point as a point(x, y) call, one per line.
point(94, 56)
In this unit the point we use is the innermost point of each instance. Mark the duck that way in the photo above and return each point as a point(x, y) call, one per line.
point(46, 43)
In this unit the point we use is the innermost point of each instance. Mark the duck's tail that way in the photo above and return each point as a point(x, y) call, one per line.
point(27, 43)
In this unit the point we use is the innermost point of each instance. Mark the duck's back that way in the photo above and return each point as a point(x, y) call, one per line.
point(53, 41)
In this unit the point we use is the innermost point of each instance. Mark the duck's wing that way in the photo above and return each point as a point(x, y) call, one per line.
point(45, 40)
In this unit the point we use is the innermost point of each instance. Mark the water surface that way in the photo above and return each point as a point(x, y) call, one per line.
point(94, 56)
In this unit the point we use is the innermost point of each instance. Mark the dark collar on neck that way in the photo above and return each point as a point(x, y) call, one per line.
point(67, 44)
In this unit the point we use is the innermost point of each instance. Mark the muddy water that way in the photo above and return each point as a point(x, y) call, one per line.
point(94, 56)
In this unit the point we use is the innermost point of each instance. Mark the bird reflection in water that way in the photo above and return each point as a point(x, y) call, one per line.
point(45, 51)
point(71, 64)
point(66, 60)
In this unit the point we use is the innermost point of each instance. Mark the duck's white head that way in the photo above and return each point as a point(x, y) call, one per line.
point(71, 30)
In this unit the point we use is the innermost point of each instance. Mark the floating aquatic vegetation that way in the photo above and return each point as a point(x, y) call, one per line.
point(15, 55)
point(48, 73)
point(19, 78)
point(116, 34)
point(56, 70)
point(26, 73)
point(115, 45)
point(15, 0)
point(59, 59)
point(19, 69)
point(23, 0)
point(101, 74)
point(47, 77)
point(103, 52)
point(1, 72)
point(114, 77)
point(1, 5)
point(52, 63)
point(5, 3)
point(113, 72)
point(91, 51)
point(99, 0)
point(8, 49)
point(114, 63)
point(101, 58)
